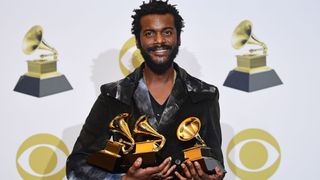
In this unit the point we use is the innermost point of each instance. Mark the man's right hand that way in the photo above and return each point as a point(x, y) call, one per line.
point(157, 172)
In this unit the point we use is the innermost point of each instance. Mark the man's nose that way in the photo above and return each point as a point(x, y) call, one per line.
point(159, 39)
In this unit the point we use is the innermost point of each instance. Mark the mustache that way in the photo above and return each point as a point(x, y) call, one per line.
point(154, 48)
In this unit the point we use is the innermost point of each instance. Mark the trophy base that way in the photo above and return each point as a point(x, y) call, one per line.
point(105, 160)
point(42, 87)
point(148, 159)
point(208, 165)
point(203, 156)
point(250, 82)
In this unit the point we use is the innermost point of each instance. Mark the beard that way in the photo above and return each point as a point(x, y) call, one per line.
point(160, 67)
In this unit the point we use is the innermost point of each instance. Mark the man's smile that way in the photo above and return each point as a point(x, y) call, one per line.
point(160, 50)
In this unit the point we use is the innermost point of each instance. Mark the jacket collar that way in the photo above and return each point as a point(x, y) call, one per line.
point(123, 90)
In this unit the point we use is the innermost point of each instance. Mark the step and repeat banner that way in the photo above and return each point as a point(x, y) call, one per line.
point(262, 55)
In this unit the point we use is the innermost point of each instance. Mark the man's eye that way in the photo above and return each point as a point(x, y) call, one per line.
point(148, 34)
point(167, 33)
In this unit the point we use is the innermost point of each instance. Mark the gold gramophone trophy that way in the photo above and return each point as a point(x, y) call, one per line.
point(252, 72)
point(189, 129)
point(147, 143)
point(111, 157)
point(42, 78)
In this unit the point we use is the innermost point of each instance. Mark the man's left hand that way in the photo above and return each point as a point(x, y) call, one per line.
point(195, 172)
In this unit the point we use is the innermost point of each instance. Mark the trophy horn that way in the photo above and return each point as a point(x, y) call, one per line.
point(33, 40)
point(119, 125)
point(243, 35)
point(142, 126)
point(189, 129)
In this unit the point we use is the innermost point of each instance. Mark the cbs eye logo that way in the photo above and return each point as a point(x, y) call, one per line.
point(129, 57)
point(42, 156)
point(253, 154)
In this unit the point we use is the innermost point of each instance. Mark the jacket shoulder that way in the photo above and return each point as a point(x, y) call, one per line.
point(124, 85)
point(198, 86)
point(110, 89)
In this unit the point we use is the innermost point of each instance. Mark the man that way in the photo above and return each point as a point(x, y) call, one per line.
point(160, 89)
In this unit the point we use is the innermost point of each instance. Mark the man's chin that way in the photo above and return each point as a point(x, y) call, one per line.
point(159, 65)
point(159, 68)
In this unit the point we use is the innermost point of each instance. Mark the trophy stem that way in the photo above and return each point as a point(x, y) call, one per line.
point(198, 137)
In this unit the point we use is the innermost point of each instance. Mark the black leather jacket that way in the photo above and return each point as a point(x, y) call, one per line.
point(189, 97)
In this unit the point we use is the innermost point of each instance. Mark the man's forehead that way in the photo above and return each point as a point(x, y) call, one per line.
point(157, 21)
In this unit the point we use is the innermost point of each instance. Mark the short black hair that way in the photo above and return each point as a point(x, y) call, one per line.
point(156, 7)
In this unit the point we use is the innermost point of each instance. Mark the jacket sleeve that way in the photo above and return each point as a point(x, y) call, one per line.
point(212, 135)
point(92, 138)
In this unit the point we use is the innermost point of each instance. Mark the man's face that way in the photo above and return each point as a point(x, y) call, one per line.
point(158, 41)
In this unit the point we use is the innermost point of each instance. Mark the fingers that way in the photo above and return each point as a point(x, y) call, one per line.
point(165, 172)
point(165, 163)
point(165, 169)
point(167, 178)
point(219, 173)
point(179, 176)
point(192, 170)
point(218, 176)
point(135, 166)
point(201, 174)
point(186, 170)
point(170, 170)
point(157, 169)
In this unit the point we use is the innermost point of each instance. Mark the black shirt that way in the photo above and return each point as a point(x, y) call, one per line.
point(157, 108)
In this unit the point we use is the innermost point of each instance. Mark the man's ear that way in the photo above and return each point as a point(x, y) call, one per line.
point(179, 41)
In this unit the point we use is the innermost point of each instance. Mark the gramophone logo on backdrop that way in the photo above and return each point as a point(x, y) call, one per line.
point(129, 57)
point(42, 156)
point(42, 78)
point(252, 72)
point(253, 154)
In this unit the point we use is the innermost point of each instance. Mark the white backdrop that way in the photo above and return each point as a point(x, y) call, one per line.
point(89, 35)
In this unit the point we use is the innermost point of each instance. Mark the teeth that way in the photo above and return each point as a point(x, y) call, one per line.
point(160, 50)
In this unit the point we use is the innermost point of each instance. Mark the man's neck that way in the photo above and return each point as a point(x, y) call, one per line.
point(151, 77)
point(159, 86)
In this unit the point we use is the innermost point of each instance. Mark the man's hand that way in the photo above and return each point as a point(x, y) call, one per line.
point(195, 172)
point(158, 172)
